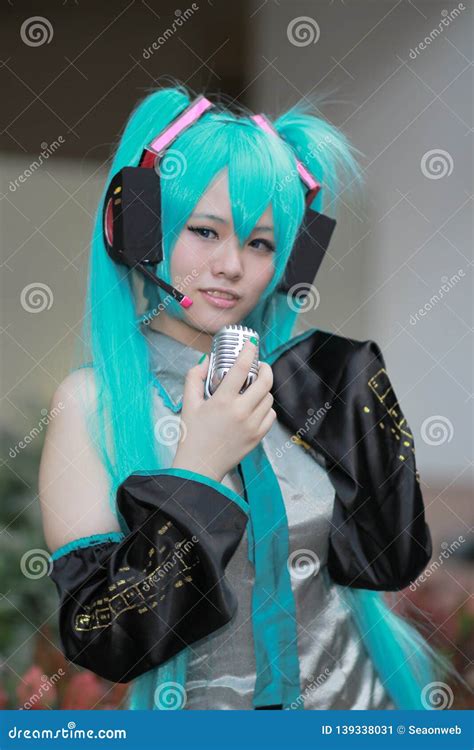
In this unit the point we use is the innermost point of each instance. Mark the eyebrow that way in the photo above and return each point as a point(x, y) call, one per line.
point(213, 217)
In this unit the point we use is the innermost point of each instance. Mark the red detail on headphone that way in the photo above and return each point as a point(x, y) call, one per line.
point(109, 222)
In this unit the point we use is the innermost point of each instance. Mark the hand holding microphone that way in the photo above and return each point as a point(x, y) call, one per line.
point(219, 431)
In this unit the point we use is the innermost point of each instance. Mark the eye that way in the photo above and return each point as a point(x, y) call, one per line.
point(269, 245)
point(200, 231)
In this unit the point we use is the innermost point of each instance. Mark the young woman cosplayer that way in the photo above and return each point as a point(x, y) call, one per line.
point(230, 552)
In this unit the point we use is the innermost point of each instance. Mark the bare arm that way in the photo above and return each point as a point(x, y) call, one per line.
point(73, 483)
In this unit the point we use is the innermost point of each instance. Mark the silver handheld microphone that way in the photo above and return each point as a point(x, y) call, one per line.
point(226, 346)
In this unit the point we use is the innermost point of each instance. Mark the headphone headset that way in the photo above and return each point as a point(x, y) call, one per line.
point(132, 214)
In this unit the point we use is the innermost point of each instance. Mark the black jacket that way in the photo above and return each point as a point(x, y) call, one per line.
point(128, 605)
point(335, 394)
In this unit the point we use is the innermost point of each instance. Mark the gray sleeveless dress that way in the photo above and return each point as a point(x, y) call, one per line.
point(336, 671)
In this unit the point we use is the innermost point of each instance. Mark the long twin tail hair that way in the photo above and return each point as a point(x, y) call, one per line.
point(261, 168)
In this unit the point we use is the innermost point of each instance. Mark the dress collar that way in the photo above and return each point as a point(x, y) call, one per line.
point(170, 361)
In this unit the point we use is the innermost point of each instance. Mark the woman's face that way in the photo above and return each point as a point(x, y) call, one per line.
point(207, 255)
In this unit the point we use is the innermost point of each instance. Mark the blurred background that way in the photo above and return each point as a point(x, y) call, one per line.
point(397, 76)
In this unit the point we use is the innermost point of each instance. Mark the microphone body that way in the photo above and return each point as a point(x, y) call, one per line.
point(226, 346)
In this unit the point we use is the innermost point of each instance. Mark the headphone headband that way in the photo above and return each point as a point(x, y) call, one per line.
point(132, 213)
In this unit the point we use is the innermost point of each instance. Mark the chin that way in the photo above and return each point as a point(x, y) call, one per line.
point(211, 321)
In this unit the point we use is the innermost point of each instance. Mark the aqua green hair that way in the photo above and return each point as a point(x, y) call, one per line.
point(261, 170)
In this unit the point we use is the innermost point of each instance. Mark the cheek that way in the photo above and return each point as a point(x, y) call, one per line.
point(184, 260)
point(260, 273)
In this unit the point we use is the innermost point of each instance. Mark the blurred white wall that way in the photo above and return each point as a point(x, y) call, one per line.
point(393, 253)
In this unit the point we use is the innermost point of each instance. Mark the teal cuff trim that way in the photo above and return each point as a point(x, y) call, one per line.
point(202, 479)
point(87, 541)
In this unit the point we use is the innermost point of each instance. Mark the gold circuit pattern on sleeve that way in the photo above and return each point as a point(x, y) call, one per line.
point(142, 592)
point(381, 387)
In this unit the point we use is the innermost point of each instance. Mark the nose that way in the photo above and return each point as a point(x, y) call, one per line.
point(227, 259)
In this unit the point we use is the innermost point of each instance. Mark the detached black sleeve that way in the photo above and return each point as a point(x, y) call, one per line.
point(129, 605)
point(379, 538)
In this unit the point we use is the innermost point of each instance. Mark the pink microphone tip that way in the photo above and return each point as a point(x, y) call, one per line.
point(186, 301)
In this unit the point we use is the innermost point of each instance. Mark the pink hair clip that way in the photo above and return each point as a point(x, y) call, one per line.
point(311, 182)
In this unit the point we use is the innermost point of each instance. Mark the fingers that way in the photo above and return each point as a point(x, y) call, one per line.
point(236, 376)
point(268, 421)
point(257, 391)
point(194, 383)
point(263, 408)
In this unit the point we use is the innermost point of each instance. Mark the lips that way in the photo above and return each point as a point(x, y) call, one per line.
point(218, 301)
point(221, 293)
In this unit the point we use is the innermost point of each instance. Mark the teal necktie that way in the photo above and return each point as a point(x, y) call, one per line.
point(273, 606)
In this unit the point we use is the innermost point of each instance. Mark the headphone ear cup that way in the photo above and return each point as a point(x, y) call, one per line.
point(131, 217)
point(311, 243)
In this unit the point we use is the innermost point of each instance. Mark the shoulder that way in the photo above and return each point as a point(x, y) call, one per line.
point(77, 389)
point(66, 433)
point(332, 356)
point(73, 482)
